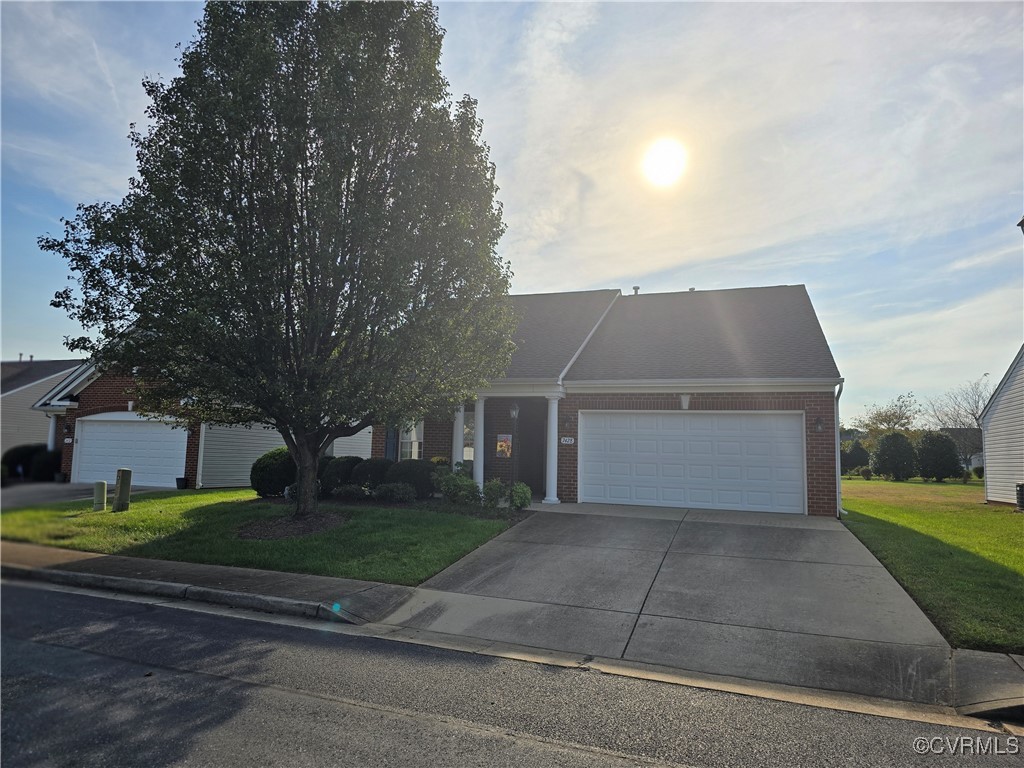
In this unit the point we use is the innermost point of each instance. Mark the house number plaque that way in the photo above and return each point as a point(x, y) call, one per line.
point(568, 440)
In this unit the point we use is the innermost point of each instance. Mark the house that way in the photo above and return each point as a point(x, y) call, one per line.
point(1002, 429)
point(22, 383)
point(99, 431)
point(723, 399)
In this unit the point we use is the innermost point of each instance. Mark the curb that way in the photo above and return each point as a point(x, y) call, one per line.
point(308, 609)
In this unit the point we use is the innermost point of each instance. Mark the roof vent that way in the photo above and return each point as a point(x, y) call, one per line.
point(636, 290)
point(692, 290)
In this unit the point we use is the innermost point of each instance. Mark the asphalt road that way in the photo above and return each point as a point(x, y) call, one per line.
point(97, 681)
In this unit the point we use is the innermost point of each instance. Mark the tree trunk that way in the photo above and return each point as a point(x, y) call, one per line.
point(307, 461)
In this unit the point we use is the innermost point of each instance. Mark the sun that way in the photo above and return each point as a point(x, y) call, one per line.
point(664, 162)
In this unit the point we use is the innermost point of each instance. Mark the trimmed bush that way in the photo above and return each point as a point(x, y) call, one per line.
point(273, 472)
point(494, 492)
point(520, 496)
point(419, 473)
point(459, 489)
point(22, 455)
point(400, 493)
point(895, 457)
point(370, 473)
point(338, 472)
point(866, 473)
point(350, 492)
point(979, 472)
point(45, 464)
point(852, 456)
point(937, 457)
point(464, 467)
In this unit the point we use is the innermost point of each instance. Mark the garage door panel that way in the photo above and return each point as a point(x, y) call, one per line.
point(725, 461)
point(152, 450)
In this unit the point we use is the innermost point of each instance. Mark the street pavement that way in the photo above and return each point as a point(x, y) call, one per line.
point(97, 680)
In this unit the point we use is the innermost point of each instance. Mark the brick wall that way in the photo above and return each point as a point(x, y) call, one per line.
point(108, 395)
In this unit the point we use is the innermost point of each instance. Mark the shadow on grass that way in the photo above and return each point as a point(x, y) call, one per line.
point(975, 603)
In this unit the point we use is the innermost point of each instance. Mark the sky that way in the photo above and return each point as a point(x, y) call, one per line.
point(872, 152)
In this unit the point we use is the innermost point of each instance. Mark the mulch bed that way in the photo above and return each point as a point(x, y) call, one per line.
point(290, 527)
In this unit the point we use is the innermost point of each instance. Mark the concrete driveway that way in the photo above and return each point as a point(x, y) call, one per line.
point(777, 598)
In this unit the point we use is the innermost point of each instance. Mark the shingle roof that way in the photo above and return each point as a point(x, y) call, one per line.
point(20, 373)
point(552, 327)
point(756, 333)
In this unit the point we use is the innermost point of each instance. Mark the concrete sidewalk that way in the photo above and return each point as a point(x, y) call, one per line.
point(982, 682)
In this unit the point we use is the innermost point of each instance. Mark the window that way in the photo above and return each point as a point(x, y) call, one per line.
point(411, 444)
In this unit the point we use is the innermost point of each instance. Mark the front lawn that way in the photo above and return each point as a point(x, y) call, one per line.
point(960, 559)
point(391, 544)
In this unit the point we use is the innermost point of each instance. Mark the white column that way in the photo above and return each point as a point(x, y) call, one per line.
point(478, 441)
point(551, 474)
point(458, 435)
point(51, 437)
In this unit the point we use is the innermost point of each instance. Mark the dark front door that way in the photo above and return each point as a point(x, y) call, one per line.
point(532, 419)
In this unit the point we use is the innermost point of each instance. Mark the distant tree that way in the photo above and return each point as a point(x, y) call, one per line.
point(894, 456)
point(898, 415)
point(937, 457)
point(310, 240)
point(959, 410)
point(853, 454)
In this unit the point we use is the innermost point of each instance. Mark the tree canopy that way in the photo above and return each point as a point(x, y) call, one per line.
point(958, 410)
point(310, 240)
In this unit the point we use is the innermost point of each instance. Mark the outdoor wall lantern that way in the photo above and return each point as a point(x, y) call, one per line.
point(819, 425)
point(514, 412)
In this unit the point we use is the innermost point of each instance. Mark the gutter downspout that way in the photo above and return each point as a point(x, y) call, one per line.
point(839, 469)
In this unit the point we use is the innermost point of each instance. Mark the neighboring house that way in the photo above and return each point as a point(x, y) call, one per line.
point(99, 431)
point(721, 399)
point(968, 442)
point(22, 383)
point(1002, 428)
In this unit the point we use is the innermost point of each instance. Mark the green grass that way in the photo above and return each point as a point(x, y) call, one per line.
point(393, 545)
point(960, 559)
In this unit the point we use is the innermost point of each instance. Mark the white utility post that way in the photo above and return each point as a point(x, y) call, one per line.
point(458, 435)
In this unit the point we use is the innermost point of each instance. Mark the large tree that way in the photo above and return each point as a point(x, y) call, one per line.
point(959, 411)
point(898, 415)
point(310, 241)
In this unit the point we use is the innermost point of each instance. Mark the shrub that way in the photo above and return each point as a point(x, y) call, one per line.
point(273, 472)
point(419, 473)
point(979, 472)
point(439, 461)
point(350, 492)
point(21, 456)
point(396, 492)
point(338, 472)
point(894, 456)
point(459, 489)
point(866, 473)
point(464, 468)
point(853, 456)
point(937, 457)
point(370, 473)
point(520, 496)
point(494, 492)
point(45, 464)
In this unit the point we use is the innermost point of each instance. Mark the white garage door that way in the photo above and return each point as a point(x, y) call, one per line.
point(699, 460)
point(152, 450)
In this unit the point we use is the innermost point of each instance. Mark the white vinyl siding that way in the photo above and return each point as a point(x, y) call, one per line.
point(151, 449)
point(228, 453)
point(20, 424)
point(357, 445)
point(1002, 430)
point(699, 460)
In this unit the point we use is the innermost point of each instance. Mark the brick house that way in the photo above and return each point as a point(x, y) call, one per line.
point(99, 431)
point(723, 399)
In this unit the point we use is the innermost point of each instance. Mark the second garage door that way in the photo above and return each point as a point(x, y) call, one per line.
point(699, 460)
point(151, 449)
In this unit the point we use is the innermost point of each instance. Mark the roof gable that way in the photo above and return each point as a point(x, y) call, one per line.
point(551, 329)
point(1015, 366)
point(743, 333)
